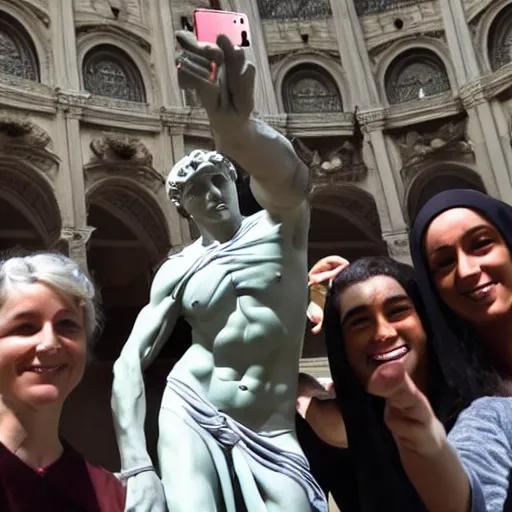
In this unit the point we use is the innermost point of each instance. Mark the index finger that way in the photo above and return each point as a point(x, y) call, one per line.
point(189, 43)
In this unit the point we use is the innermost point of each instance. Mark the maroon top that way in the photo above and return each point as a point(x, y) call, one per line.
point(70, 484)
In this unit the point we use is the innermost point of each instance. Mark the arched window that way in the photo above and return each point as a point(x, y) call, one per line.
point(308, 89)
point(415, 74)
point(18, 54)
point(500, 39)
point(109, 71)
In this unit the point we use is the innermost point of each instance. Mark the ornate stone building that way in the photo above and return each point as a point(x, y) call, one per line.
point(387, 101)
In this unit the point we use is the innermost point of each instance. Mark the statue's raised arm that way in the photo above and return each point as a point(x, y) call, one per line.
point(279, 179)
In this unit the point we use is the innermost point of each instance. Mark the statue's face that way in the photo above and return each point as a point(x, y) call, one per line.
point(210, 196)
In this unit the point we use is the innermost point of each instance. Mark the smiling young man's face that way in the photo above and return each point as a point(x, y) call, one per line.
point(380, 324)
point(471, 266)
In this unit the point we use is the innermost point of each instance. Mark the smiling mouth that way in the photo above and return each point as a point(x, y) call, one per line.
point(480, 292)
point(392, 355)
point(45, 369)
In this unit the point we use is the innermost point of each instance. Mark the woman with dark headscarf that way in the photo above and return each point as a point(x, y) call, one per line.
point(374, 315)
point(461, 247)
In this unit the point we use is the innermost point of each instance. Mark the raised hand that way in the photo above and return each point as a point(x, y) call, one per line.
point(408, 413)
point(222, 77)
point(326, 269)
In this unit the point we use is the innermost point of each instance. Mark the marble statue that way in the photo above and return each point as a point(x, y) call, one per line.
point(226, 426)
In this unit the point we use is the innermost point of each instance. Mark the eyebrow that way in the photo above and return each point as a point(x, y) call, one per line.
point(468, 233)
point(357, 310)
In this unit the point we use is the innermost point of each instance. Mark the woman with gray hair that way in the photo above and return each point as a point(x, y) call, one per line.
point(47, 318)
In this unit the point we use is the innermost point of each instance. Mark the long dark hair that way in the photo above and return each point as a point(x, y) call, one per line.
point(382, 482)
point(462, 356)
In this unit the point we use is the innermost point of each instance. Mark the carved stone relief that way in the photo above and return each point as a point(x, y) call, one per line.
point(122, 155)
point(364, 7)
point(294, 9)
point(22, 139)
point(344, 164)
point(432, 142)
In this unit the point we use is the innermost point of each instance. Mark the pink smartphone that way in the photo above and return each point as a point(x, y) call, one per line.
point(209, 24)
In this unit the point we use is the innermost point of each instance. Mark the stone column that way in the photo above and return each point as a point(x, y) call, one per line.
point(264, 93)
point(76, 240)
point(489, 151)
point(354, 54)
point(64, 44)
point(165, 54)
point(372, 126)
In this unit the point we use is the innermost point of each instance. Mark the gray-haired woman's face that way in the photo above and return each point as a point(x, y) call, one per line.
point(43, 346)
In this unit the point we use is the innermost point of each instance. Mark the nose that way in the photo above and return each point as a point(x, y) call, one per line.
point(213, 193)
point(48, 339)
point(467, 266)
point(385, 331)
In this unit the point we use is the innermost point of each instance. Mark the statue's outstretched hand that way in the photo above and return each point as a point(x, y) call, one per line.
point(145, 493)
point(222, 77)
point(408, 413)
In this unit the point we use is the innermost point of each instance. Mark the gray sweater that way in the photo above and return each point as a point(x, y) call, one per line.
point(482, 437)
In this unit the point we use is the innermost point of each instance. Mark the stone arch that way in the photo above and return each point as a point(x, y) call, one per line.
point(109, 71)
point(499, 38)
point(436, 178)
point(414, 74)
point(281, 70)
point(28, 206)
point(18, 55)
point(344, 221)
point(310, 88)
point(129, 240)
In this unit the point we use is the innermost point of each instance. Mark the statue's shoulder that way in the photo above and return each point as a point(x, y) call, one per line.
point(173, 269)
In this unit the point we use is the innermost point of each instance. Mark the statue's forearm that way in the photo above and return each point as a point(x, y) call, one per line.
point(129, 411)
point(268, 157)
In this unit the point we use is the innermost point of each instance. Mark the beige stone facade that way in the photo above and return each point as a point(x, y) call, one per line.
point(387, 101)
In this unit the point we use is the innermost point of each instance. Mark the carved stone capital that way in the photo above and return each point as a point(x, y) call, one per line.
point(398, 246)
point(71, 102)
point(77, 236)
point(473, 94)
point(76, 240)
point(371, 120)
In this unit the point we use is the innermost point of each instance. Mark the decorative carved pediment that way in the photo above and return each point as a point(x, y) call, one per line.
point(116, 147)
point(343, 164)
point(22, 139)
point(418, 146)
point(122, 155)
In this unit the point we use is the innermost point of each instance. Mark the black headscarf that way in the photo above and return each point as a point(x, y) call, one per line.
point(462, 358)
point(381, 481)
